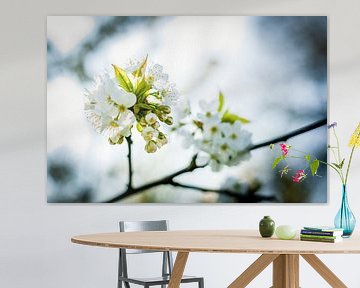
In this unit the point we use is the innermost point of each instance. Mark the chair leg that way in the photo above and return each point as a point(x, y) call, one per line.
point(201, 283)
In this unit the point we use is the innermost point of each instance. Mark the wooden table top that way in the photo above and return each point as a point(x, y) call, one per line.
point(216, 241)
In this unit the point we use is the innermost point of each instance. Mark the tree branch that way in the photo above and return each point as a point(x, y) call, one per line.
point(246, 196)
point(192, 166)
point(163, 181)
point(129, 142)
point(289, 135)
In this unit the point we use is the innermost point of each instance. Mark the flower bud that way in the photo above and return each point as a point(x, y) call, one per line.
point(142, 121)
point(169, 120)
point(151, 118)
point(156, 125)
point(162, 116)
point(149, 133)
point(150, 147)
point(166, 109)
point(162, 141)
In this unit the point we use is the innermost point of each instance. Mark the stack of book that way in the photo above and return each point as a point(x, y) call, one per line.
point(321, 234)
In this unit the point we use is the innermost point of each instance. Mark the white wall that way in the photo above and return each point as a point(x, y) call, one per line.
point(35, 248)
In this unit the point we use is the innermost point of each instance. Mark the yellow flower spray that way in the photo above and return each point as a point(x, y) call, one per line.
point(354, 142)
point(355, 138)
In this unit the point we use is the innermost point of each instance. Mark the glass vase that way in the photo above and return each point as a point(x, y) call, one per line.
point(345, 219)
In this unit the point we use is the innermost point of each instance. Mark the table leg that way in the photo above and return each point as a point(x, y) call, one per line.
point(286, 271)
point(178, 269)
point(324, 271)
point(253, 270)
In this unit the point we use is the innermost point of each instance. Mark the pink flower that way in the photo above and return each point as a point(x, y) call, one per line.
point(300, 175)
point(284, 149)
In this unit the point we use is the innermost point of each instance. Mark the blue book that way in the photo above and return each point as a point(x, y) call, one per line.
point(322, 231)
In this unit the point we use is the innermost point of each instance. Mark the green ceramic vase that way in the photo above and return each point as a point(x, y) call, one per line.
point(267, 227)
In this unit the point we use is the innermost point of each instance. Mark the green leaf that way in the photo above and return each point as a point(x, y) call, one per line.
point(271, 146)
point(141, 70)
point(277, 160)
point(139, 127)
point(221, 102)
point(314, 166)
point(231, 118)
point(142, 87)
point(308, 158)
point(143, 106)
point(123, 79)
point(342, 163)
point(336, 165)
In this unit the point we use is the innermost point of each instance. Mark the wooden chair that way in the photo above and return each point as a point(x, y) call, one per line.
point(167, 262)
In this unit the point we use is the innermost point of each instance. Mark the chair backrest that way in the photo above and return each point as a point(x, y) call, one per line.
point(137, 226)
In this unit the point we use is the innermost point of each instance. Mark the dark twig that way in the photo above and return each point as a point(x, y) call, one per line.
point(168, 180)
point(163, 181)
point(243, 197)
point(129, 142)
point(289, 135)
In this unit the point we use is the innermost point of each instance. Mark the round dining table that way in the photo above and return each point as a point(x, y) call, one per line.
point(283, 254)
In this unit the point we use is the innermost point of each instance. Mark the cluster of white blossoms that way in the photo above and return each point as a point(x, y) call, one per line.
point(137, 95)
point(217, 135)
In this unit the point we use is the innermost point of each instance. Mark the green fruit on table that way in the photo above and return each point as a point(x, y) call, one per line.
point(285, 232)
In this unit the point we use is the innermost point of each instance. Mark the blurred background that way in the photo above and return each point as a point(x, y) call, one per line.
point(272, 70)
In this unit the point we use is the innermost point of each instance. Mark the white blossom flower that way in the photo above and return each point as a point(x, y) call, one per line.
point(209, 112)
point(107, 106)
point(132, 65)
point(106, 113)
point(170, 94)
point(98, 108)
point(157, 77)
point(226, 154)
point(238, 138)
point(121, 127)
point(123, 99)
point(212, 130)
point(217, 143)
point(115, 104)
point(151, 118)
point(107, 90)
point(149, 133)
point(205, 145)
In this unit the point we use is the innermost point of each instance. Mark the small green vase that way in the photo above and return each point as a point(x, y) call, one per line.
point(267, 227)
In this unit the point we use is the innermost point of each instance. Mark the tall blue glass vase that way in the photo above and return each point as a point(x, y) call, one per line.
point(345, 219)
